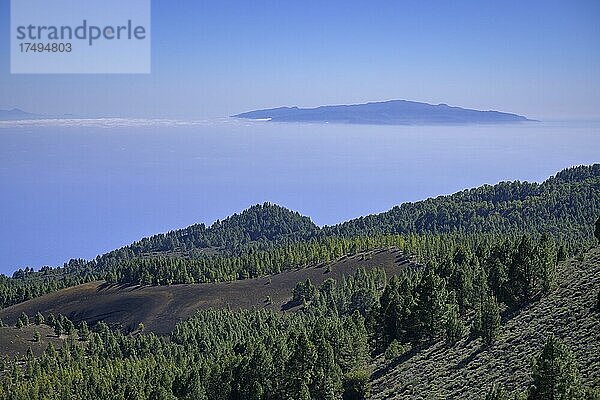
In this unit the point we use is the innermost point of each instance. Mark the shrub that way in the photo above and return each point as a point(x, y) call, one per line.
point(394, 350)
point(356, 385)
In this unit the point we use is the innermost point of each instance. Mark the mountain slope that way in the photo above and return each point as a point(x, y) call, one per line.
point(565, 206)
point(159, 308)
point(393, 112)
point(260, 223)
point(466, 371)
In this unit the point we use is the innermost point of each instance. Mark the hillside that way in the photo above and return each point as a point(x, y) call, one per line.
point(260, 223)
point(467, 371)
point(160, 308)
point(222, 353)
point(267, 238)
point(393, 112)
point(232, 340)
point(15, 342)
point(564, 205)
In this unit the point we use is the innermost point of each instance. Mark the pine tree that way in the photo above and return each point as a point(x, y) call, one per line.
point(51, 320)
point(396, 310)
point(50, 351)
point(36, 336)
point(561, 254)
point(58, 328)
point(68, 327)
point(24, 318)
point(555, 374)
point(300, 365)
point(461, 278)
point(499, 267)
point(476, 324)
point(597, 230)
point(523, 273)
point(327, 374)
point(431, 305)
point(480, 284)
point(547, 250)
point(84, 331)
point(360, 340)
point(455, 328)
point(304, 291)
point(490, 320)
point(39, 318)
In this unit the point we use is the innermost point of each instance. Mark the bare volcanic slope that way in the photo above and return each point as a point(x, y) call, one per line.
point(15, 341)
point(467, 371)
point(159, 308)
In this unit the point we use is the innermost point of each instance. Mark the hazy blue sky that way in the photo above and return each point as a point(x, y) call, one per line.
point(538, 58)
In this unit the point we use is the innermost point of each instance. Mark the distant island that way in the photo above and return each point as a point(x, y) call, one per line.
point(16, 114)
point(393, 112)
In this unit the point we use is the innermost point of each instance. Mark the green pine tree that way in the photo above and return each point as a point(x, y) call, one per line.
point(431, 305)
point(84, 331)
point(547, 250)
point(24, 318)
point(39, 318)
point(327, 374)
point(523, 273)
point(555, 374)
point(455, 328)
point(50, 351)
point(58, 328)
point(68, 327)
point(301, 365)
point(490, 320)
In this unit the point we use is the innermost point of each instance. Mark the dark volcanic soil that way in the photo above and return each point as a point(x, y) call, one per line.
point(159, 308)
point(15, 341)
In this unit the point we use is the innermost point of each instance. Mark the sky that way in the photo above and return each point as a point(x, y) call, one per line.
point(217, 58)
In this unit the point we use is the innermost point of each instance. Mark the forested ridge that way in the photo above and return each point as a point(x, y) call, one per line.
point(268, 238)
point(567, 201)
point(564, 205)
point(480, 257)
